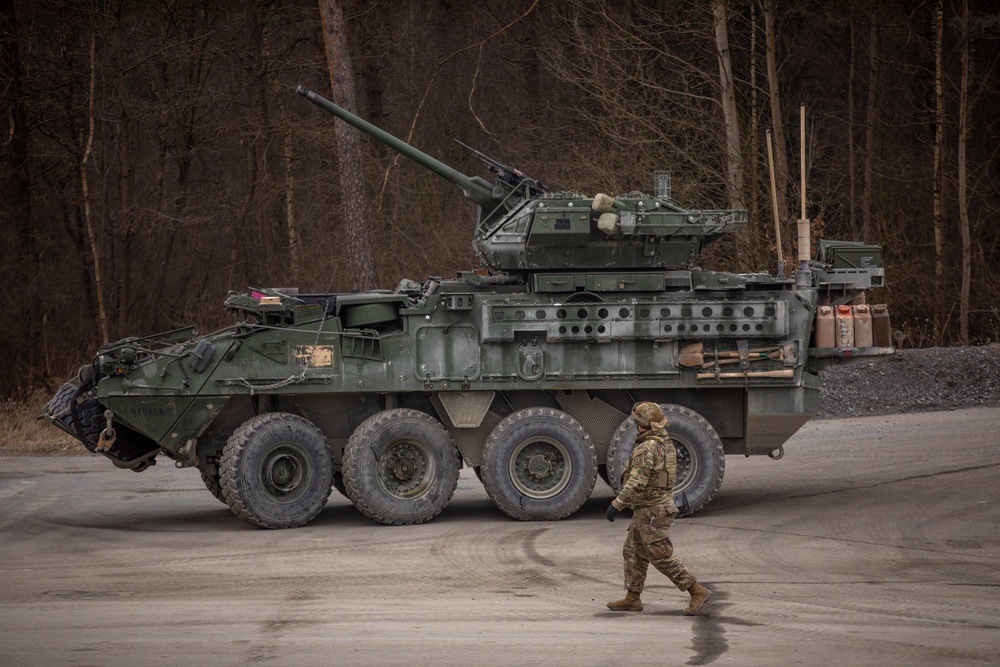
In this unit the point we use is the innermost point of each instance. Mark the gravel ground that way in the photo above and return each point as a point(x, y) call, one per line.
point(941, 378)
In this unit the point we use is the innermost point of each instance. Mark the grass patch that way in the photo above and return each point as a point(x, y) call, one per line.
point(26, 435)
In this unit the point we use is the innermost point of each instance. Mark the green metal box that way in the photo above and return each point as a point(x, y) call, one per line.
point(849, 254)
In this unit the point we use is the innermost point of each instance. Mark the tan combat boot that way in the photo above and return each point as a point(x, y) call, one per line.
point(699, 596)
point(631, 602)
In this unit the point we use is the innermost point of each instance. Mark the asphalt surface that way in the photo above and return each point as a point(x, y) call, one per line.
point(875, 541)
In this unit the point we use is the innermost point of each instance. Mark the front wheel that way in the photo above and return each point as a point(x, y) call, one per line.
point(276, 471)
point(213, 483)
point(539, 465)
point(400, 467)
point(700, 459)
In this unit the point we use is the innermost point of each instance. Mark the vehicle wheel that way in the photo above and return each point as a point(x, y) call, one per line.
point(700, 459)
point(400, 467)
point(539, 465)
point(213, 483)
point(602, 472)
point(338, 482)
point(276, 471)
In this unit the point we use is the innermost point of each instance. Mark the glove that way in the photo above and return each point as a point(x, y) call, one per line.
point(611, 513)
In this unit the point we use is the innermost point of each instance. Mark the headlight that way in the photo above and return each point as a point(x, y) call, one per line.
point(106, 363)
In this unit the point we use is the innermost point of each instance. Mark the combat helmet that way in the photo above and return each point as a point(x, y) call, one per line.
point(649, 415)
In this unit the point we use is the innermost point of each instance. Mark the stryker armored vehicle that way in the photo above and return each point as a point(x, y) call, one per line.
point(525, 370)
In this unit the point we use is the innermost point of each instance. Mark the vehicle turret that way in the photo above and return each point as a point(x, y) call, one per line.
point(523, 228)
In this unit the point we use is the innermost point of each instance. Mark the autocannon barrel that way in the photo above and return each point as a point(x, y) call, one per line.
point(476, 188)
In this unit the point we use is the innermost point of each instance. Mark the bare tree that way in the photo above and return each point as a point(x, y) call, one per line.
point(22, 325)
point(87, 143)
point(867, 195)
point(354, 201)
point(940, 310)
point(727, 90)
point(780, 158)
point(963, 176)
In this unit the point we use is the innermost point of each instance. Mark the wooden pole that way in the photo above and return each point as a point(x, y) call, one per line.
point(774, 206)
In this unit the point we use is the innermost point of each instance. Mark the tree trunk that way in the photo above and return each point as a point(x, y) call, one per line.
point(353, 201)
point(734, 156)
point(248, 225)
point(963, 177)
point(88, 218)
point(868, 194)
point(780, 158)
point(287, 155)
point(123, 258)
point(22, 324)
point(941, 304)
point(852, 175)
point(754, 120)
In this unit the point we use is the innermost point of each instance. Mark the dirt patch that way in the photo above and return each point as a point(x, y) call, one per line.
point(26, 435)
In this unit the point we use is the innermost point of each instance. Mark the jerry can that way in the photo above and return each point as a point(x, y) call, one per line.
point(845, 326)
point(825, 328)
point(863, 326)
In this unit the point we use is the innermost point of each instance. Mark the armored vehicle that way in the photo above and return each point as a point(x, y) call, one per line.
point(525, 370)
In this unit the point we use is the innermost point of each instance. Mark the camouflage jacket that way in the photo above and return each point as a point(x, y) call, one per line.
point(650, 474)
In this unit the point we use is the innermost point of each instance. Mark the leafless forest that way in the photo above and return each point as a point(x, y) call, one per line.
point(154, 156)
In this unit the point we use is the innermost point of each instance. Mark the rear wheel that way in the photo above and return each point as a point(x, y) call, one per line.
point(700, 459)
point(400, 467)
point(213, 482)
point(338, 483)
point(276, 471)
point(539, 464)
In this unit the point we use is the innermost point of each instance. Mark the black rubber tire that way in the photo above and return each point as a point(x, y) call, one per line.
point(602, 472)
point(401, 467)
point(213, 482)
point(338, 482)
point(276, 471)
point(91, 422)
point(563, 455)
point(701, 462)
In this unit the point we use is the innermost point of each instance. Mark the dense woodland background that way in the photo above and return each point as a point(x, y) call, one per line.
point(154, 156)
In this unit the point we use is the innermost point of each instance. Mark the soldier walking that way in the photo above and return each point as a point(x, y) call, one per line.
point(647, 488)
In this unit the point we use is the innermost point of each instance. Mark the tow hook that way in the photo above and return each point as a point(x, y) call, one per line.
point(108, 435)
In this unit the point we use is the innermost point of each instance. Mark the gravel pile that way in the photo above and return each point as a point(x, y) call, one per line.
point(940, 378)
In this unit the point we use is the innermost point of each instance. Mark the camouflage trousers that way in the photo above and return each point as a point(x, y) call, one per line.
point(648, 542)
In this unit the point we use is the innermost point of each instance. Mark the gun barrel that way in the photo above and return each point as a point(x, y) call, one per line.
point(477, 189)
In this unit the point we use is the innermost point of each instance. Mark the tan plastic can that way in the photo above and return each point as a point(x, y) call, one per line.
point(845, 326)
point(863, 326)
point(825, 328)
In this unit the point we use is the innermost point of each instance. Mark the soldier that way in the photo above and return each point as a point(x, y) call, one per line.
point(647, 487)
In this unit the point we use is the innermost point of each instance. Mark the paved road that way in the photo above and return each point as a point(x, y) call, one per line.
point(874, 541)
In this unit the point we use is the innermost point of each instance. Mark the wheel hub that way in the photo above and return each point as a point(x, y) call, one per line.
point(539, 466)
point(405, 470)
point(282, 473)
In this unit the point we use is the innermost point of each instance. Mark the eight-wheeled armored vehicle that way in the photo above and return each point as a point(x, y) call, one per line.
point(525, 370)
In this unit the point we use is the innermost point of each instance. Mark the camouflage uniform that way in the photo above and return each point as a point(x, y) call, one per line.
point(647, 487)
